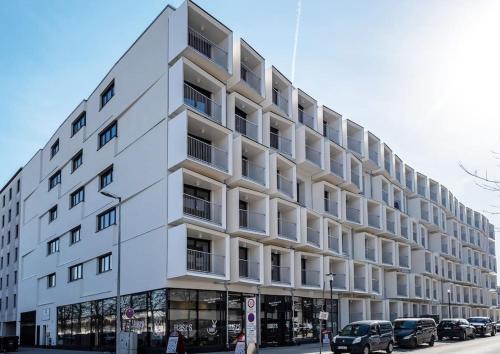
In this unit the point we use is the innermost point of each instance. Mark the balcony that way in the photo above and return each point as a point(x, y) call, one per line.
point(309, 150)
point(370, 254)
point(374, 220)
point(311, 230)
point(197, 252)
point(310, 270)
point(279, 134)
point(313, 155)
point(282, 178)
point(200, 145)
point(196, 35)
point(196, 199)
point(284, 220)
point(353, 215)
point(250, 165)
point(354, 144)
point(332, 124)
point(279, 266)
point(352, 205)
point(202, 103)
point(244, 117)
point(278, 98)
point(247, 268)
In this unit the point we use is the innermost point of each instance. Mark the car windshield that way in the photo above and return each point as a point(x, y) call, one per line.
point(477, 319)
point(405, 325)
point(447, 322)
point(355, 330)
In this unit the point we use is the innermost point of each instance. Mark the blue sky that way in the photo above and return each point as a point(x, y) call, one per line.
point(421, 75)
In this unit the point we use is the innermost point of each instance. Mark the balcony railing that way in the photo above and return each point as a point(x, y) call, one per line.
point(246, 127)
point(402, 290)
point(421, 190)
point(355, 179)
point(310, 278)
point(373, 156)
point(428, 293)
point(353, 214)
point(375, 285)
point(306, 119)
point(331, 207)
point(280, 101)
point(403, 261)
point(280, 143)
point(207, 153)
point(409, 183)
point(313, 236)
point(444, 247)
point(387, 257)
point(428, 267)
point(359, 283)
point(398, 175)
point(280, 274)
point(354, 144)
point(332, 134)
point(207, 48)
point(370, 254)
point(284, 185)
point(374, 220)
point(253, 171)
point(333, 243)
point(339, 281)
point(391, 226)
point(313, 155)
point(203, 104)
point(436, 220)
point(249, 269)
point(425, 215)
point(433, 195)
point(404, 231)
point(202, 209)
point(205, 262)
point(387, 165)
point(287, 229)
point(337, 168)
point(251, 78)
point(418, 290)
point(252, 221)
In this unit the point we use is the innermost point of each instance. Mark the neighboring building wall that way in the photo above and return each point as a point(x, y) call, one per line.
point(244, 192)
point(10, 199)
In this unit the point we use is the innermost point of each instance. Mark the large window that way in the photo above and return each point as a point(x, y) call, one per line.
point(75, 235)
point(106, 177)
point(107, 134)
point(76, 272)
point(104, 263)
point(53, 246)
point(106, 219)
point(107, 94)
point(78, 123)
point(77, 197)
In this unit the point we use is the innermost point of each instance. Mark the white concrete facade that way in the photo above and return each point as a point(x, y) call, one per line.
point(214, 149)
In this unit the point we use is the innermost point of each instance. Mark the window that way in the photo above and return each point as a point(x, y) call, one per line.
point(78, 123)
point(106, 177)
point(7, 280)
point(107, 94)
point(53, 246)
point(51, 280)
point(53, 214)
point(8, 237)
point(17, 208)
point(8, 258)
point(15, 277)
point(3, 203)
point(14, 300)
point(54, 149)
point(10, 193)
point(104, 263)
point(77, 161)
point(77, 197)
point(76, 272)
point(10, 215)
point(16, 254)
point(17, 231)
point(54, 180)
point(75, 235)
point(18, 185)
point(106, 219)
point(107, 134)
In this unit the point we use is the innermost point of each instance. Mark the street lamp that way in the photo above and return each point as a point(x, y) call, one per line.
point(118, 270)
point(449, 303)
point(331, 275)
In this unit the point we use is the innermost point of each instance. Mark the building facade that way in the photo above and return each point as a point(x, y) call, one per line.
point(233, 183)
point(10, 197)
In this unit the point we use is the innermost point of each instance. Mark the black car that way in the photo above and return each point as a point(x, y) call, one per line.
point(364, 337)
point(483, 325)
point(411, 332)
point(455, 328)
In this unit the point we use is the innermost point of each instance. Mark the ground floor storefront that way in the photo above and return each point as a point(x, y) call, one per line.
point(209, 320)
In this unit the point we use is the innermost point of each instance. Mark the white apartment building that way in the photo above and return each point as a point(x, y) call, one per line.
point(10, 199)
point(233, 183)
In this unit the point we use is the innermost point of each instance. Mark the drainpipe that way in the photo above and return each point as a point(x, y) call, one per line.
point(227, 315)
point(258, 320)
point(293, 312)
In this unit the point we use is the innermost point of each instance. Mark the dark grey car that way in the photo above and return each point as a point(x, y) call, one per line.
point(411, 332)
point(364, 337)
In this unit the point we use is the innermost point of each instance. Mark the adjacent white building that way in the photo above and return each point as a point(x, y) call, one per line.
point(233, 183)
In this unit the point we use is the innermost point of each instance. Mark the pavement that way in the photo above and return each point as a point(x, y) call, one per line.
point(487, 345)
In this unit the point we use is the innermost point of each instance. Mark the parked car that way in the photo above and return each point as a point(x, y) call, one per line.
point(434, 317)
point(455, 328)
point(411, 332)
point(364, 337)
point(483, 325)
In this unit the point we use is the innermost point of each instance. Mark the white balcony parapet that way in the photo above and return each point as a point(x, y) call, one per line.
point(207, 153)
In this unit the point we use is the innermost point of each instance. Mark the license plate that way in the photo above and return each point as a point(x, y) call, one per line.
point(342, 347)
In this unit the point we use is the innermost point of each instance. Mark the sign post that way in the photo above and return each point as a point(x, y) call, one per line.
point(251, 322)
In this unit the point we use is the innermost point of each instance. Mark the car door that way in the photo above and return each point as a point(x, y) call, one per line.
point(375, 337)
point(420, 332)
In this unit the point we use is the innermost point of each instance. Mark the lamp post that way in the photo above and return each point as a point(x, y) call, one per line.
point(449, 303)
point(331, 275)
point(118, 270)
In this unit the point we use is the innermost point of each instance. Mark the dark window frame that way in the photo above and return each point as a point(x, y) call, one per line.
point(103, 97)
point(104, 263)
point(79, 123)
point(112, 129)
point(54, 149)
point(77, 197)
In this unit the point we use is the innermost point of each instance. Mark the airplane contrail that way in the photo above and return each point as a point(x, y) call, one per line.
point(296, 38)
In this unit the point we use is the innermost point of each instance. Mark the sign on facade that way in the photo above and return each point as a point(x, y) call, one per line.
point(251, 320)
point(323, 315)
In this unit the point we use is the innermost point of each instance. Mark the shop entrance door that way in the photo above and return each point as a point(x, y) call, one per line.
point(276, 324)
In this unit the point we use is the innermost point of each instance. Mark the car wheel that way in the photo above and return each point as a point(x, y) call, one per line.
point(336, 352)
point(473, 335)
point(463, 336)
point(414, 343)
point(390, 348)
point(493, 332)
point(431, 342)
point(366, 349)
